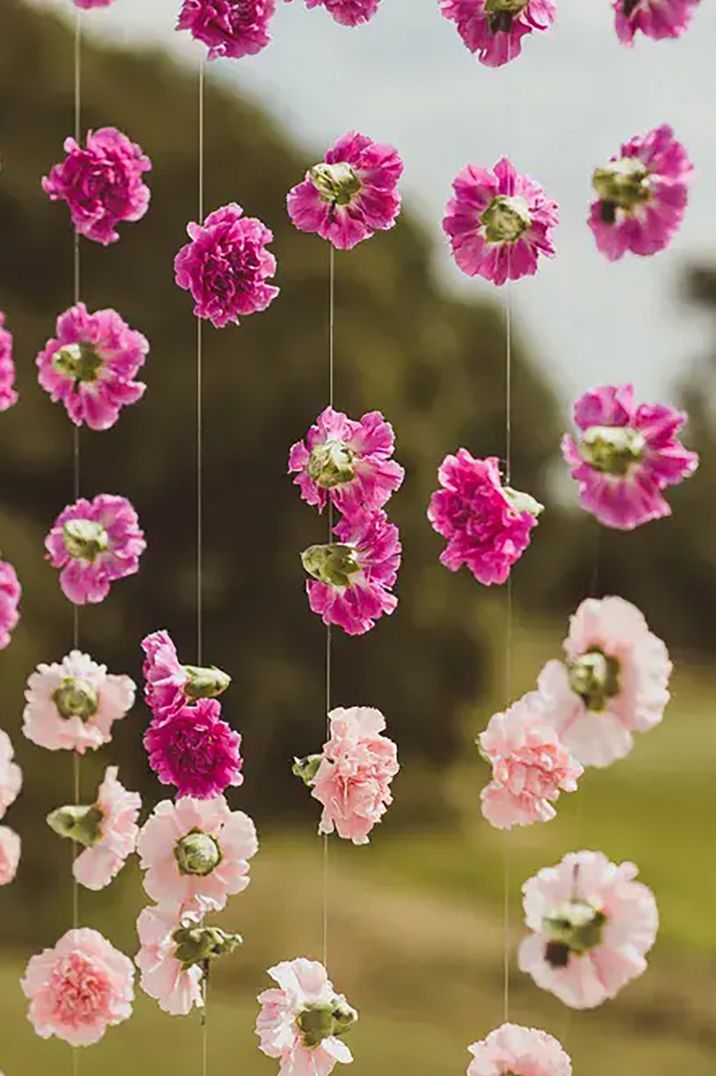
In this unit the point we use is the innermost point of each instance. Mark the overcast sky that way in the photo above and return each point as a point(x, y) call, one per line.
point(560, 109)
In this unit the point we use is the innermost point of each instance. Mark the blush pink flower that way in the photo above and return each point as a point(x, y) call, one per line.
point(164, 976)
point(10, 848)
point(232, 28)
point(487, 525)
point(79, 989)
point(499, 222)
point(10, 594)
point(195, 853)
point(592, 926)
point(523, 1050)
point(347, 12)
point(226, 266)
point(350, 195)
point(169, 685)
point(95, 543)
point(657, 19)
point(346, 461)
point(642, 194)
point(87, 4)
point(8, 394)
point(530, 765)
point(196, 750)
point(302, 1021)
point(613, 683)
point(352, 577)
point(115, 822)
point(72, 706)
point(626, 455)
point(102, 183)
point(494, 28)
point(10, 774)
point(90, 366)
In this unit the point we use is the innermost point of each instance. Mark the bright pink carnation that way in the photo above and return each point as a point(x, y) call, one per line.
point(95, 543)
point(196, 750)
point(226, 266)
point(195, 853)
point(119, 809)
point(523, 1050)
point(657, 19)
point(10, 774)
point(592, 926)
point(350, 195)
point(102, 184)
point(232, 28)
point(499, 222)
point(8, 394)
point(79, 989)
point(10, 848)
point(642, 195)
point(352, 577)
point(487, 525)
point(164, 977)
point(347, 12)
point(91, 364)
point(10, 594)
point(347, 461)
point(494, 28)
point(169, 685)
point(625, 456)
point(530, 765)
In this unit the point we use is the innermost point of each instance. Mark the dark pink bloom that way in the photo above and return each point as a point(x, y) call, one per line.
point(654, 18)
point(8, 395)
point(499, 222)
point(169, 685)
point(626, 455)
point(102, 184)
point(91, 364)
point(226, 266)
point(346, 461)
point(350, 195)
point(494, 28)
point(347, 12)
point(232, 28)
point(95, 543)
point(642, 195)
point(352, 577)
point(196, 750)
point(10, 594)
point(487, 525)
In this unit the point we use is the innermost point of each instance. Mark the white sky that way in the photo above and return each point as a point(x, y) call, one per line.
point(561, 108)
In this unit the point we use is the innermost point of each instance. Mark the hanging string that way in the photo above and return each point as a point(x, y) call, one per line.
point(329, 632)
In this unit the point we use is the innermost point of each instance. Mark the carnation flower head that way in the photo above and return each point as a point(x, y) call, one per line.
point(72, 705)
point(347, 462)
point(642, 194)
point(347, 12)
point(487, 525)
point(352, 578)
point(10, 774)
point(10, 594)
point(8, 394)
point(102, 183)
point(530, 765)
point(524, 1050)
point(350, 195)
point(90, 366)
point(657, 19)
point(592, 925)
point(94, 543)
point(625, 456)
point(196, 750)
point(10, 848)
point(79, 989)
point(232, 28)
point(302, 1021)
point(494, 29)
point(195, 853)
point(169, 685)
point(87, 4)
point(226, 266)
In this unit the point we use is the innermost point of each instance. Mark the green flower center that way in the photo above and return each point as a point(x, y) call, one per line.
point(322, 1020)
point(84, 539)
point(205, 683)
point(573, 930)
point(332, 564)
point(501, 13)
point(505, 219)
point(336, 183)
point(331, 464)
point(76, 697)
point(197, 853)
point(79, 361)
point(307, 768)
point(612, 449)
point(199, 945)
point(80, 824)
point(622, 184)
point(595, 678)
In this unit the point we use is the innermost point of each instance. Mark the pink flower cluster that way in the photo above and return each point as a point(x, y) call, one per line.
point(233, 28)
point(347, 12)
point(656, 19)
point(8, 393)
point(10, 594)
point(10, 785)
point(494, 29)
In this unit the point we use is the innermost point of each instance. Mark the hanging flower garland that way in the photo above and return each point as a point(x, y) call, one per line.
point(657, 19)
point(8, 393)
point(347, 12)
point(232, 28)
point(10, 595)
point(494, 29)
point(10, 785)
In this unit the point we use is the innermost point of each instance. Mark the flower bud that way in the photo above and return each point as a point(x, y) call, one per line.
point(205, 683)
point(336, 183)
point(197, 853)
point(76, 697)
point(623, 183)
point(78, 361)
point(505, 219)
point(332, 564)
point(307, 768)
point(595, 678)
point(84, 539)
point(523, 502)
point(331, 464)
point(80, 824)
point(612, 449)
point(198, 945)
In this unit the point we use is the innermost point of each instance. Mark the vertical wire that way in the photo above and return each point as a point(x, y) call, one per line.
point(200, 404)
point(329, 632)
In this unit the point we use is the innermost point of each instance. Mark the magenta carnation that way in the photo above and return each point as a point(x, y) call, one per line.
point(95, 543)
point(226, 266)
point(10, 594)
point(169, 685)
point(350, 195)
point(626, 455)
point(87, 4)
point(657, 19)
point(102, 184)
point(642, 195)
point(196, 750)
point(487, 525)
point(232, 28)
point(91, 364)
point(494, 28)
point(347, 12)
point(499, 222)
point(8, 394)
point(347, 461)
point(352, 577)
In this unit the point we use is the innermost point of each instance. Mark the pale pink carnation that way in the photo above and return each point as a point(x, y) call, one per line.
point(79, 989)
point(213, 845)
point(102, 183)
point(232, 28)
point(350, 195)
point(71, 706)
point(90, 366)
point(10, 848)
point(10, 774)
point(499, 222)
point(8, 394)
point(523, 1050)
point(176, 988)
point(530, 765)
point(614, 681)
point(592, 926)
point(10, 594)
point(97, 866)
point(495, 30)
point(347, 12)
point(657, 19)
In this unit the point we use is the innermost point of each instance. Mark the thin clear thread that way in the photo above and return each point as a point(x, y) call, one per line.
point(76, 283)
point(200, 405)
point(329, 632)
